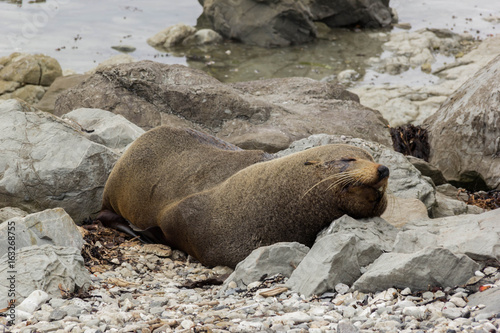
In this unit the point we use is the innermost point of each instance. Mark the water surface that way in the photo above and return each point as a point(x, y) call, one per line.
point(80, 34)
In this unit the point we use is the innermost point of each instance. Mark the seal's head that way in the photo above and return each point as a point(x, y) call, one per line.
point(355, 180)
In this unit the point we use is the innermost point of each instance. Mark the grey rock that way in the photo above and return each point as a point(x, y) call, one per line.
point(351, 12)
point(59, 85)
point(7, 213)
point(44, 268)
point(452, 313)
point(48, 163)
point(267, 260)
point(72, 310)
point(264, 114)
point(36, 69)
point(373, 230)
point(345, 327)
point(124, 48)
point(52, 226)
point(332, 260)
point(447, 206)
point(405, 181)
point(104, 127)
point(401, 211)
point(29, 93)
point(57, 314)
point(435, 267)
point(281, 23)
point(339, 253)
point(489, 298)
point(464, 133)
point(203, 37)
point(171, 36)
point(261, 23)
point(477, 236)
point(428, 170)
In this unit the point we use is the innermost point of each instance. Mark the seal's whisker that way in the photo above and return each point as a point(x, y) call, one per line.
point(343, 176)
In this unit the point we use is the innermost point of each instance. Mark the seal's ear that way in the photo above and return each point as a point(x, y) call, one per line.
point(309, 162)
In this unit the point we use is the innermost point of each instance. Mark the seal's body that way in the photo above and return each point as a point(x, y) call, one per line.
point(218, 202)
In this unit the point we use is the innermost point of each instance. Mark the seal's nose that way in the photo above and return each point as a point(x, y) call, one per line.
point(383, 172)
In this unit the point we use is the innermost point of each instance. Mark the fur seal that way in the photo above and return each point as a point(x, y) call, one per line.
point(218, 203)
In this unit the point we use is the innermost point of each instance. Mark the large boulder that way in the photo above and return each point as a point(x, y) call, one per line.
point(51, 226)
point(48, 163)
point(279, 258)
point(26, 76)
point(464, 134)
point(339, 253)
point(285, 22)
point(49, 268)
point(60, 84)
point(267, 114)
point(104, 127)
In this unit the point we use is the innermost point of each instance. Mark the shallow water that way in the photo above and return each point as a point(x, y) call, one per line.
point(80, 34)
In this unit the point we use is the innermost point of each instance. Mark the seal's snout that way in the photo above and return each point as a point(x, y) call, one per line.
point(383, 172)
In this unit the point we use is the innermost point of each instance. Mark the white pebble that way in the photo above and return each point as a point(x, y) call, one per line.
point(458, 301)
point(406, 291)
point(415, 311)
point(489, 270)
point(479, 273)
point(341, 288)
point(187, 324)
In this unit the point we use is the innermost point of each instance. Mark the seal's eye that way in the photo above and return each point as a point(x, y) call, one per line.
point(348, 159)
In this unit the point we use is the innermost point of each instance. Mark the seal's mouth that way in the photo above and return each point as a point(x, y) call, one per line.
point(381, 186)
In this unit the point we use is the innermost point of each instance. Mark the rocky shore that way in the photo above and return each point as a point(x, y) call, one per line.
point(429, 264)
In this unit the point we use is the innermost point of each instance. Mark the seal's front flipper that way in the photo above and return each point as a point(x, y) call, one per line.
point(112, 220)
point(152, 235)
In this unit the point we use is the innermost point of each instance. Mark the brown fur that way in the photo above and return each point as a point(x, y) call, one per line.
point(218, 204)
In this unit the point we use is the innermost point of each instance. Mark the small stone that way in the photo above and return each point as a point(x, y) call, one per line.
point(187, 324)
point(458, 301)
point(57, 314)
point(341, 288)
point(124, 48)
point(232, 285)
point(349, 312)
point(452, 313)
point(415, 311)
point(479, 273)
point(297, 317)
point(428, 295)
point(346, 327)
point(490, 270)
point(252, 285)
point(404, 304)
point(406, 291)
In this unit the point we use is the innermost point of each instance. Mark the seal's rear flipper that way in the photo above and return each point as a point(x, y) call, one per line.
point(114, 221)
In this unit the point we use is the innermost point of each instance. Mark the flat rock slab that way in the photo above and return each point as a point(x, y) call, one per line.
point(265, 114)
point(476, 235)
point(430, 267)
